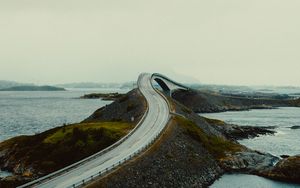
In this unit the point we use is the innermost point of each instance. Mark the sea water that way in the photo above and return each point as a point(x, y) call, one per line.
point(285, 142)
point(32, 112)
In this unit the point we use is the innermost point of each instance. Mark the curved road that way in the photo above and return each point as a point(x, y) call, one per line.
point(154, 122)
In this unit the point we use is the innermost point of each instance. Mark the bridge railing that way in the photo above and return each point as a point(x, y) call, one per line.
point(114, 166)
point(118, 164)
point(172, 81)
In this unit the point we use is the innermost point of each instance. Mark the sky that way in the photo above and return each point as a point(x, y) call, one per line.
point(232, 42)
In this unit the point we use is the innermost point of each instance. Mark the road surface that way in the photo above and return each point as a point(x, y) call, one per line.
point(154, 122)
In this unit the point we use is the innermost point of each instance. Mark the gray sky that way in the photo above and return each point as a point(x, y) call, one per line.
point(241, 42)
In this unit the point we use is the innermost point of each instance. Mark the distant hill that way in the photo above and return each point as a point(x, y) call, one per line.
point(33, 88)
point(126, 85)
point(7, 84)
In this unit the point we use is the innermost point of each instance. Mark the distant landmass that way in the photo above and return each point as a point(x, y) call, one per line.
point(103, 96)
point(7, 84)
point(33, 88)
point(127, 85)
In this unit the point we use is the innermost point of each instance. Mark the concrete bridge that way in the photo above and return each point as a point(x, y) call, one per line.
point(167, 85)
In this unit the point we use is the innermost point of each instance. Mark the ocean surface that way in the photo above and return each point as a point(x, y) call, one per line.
point(31, 112)
point(249, 181)
point(285, 141)
point(28, 113)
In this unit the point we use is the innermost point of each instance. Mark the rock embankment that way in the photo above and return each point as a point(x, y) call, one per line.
point(176, 160)
point(193, 152)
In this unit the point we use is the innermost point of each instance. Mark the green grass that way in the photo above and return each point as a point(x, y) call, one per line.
point(67, 131)
point(62, 146)
point(217, 146)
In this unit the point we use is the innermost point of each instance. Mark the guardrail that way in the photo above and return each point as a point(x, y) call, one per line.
point(114, 166)
point(83, 161)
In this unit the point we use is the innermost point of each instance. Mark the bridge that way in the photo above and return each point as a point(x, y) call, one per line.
point(137, 140)
point(167, 85)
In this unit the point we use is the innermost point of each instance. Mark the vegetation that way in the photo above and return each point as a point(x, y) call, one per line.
point(59, 147)
point(85, 131)
point(217, 146)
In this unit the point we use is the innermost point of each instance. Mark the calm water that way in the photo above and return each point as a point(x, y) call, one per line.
point(27, 113)
point(285, 141)
point(249, 181)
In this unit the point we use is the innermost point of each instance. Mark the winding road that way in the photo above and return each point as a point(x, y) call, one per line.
point(154, 121)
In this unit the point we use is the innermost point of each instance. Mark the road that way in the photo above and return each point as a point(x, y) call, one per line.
point(154, 122)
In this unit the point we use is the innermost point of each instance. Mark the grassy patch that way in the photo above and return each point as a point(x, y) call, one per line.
point(217, 146)
point(62, 146)
point(65, 133)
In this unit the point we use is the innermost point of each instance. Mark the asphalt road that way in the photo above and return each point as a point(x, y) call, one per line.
point(154, 123)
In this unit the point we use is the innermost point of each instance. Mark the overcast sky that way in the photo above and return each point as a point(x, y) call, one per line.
point(253, 42)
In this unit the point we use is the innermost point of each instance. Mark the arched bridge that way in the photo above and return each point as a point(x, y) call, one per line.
point(167, 85)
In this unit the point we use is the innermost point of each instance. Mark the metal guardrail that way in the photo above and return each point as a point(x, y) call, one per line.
point(114, 166)
point(83, 161)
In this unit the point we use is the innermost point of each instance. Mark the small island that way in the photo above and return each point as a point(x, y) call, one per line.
point(33, 88)
point(103, 96)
